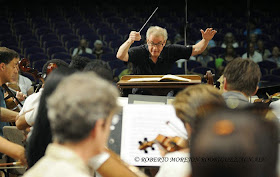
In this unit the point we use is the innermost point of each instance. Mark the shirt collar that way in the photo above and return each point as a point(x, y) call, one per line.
point(60, 152)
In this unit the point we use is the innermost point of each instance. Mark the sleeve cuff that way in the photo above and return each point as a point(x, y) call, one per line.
point(96, 161)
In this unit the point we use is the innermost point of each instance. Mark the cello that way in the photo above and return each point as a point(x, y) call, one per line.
point(24, 66)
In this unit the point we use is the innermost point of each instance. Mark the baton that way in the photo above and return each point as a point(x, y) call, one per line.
point(148, 20)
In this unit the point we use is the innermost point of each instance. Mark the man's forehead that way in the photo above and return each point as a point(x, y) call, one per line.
point(15, 61)
point(156, 39)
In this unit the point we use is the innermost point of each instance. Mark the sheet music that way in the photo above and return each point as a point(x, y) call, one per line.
point(146, 121)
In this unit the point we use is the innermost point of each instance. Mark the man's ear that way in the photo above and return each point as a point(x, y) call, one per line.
point(256, 91)
point(2, 66)
point(98, 126)
point(164, 43)
point(225, 84)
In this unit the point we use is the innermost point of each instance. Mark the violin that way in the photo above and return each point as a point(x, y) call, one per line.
point(9, 99)
point(271, 98)
point(11, 94)
point(169, 144)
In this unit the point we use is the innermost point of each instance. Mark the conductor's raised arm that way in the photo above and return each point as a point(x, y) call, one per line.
point(207, 35)
point(122, 53)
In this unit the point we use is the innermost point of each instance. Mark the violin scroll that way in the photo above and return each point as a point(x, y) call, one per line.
point(144, 145)
point(169, 144)
point(209, 77)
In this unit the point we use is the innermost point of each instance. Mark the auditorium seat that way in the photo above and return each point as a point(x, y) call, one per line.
point(191, 64)
point(52, 43)
point(38, 65)
point(37, 56)
point(275, 71)
point(269, 65)
point(108, 56)
point(55, 49)
point(88, 55)
point(202, 70)
point(61, 55)
point(32, 50)
point(271, 78)
point(29, 43)
point(176, 70)
point(114, 64)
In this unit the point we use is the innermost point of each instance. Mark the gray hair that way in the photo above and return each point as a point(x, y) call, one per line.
point(73, 116)
point(157, 31)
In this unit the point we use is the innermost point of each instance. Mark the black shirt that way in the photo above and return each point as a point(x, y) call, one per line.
point(139, 56)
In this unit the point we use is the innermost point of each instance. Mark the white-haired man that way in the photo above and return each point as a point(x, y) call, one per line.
point(156, 57)
point(80, 126)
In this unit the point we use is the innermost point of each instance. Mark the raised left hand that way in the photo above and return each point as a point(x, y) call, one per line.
point(208, 34)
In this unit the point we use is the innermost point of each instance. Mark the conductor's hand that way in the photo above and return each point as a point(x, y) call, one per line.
point(134, 36)
point(208, 34)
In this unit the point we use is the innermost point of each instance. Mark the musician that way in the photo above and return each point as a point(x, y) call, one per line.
point(41, 127)
point(241, 78)
point(25, 84)
point(190, 104)
point(80, 127)
point(23, 87)
point(8, 68)
point(156, 57)
point(26, 117)
point(239, 135)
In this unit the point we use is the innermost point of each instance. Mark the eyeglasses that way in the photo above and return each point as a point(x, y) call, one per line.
point(155, 45)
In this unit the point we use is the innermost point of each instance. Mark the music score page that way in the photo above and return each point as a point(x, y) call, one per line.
point(146, 121)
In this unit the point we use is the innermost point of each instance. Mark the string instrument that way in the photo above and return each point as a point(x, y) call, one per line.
point(9, 99)
point(115, 167)
point(169, 144)
point(11, 164)
point(271, 98)
point(12, 95)
point(24, 66)
point(209, 77)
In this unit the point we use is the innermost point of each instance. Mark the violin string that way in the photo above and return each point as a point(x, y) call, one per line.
point(148, 20)
point(176, 129)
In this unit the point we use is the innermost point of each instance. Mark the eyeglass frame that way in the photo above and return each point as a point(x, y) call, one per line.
point(155, 45)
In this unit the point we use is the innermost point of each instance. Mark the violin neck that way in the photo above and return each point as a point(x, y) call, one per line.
point(11, 93)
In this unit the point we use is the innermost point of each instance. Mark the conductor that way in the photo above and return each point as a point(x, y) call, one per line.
point(155, 57)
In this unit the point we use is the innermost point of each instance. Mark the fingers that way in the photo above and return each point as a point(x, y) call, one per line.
point(201, 30)
point(209, 30)
point(20, 96)
point(17, 117)
point(21, 155)
point(134, 36)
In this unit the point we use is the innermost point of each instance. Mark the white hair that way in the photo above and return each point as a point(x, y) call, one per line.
point(157, 31)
